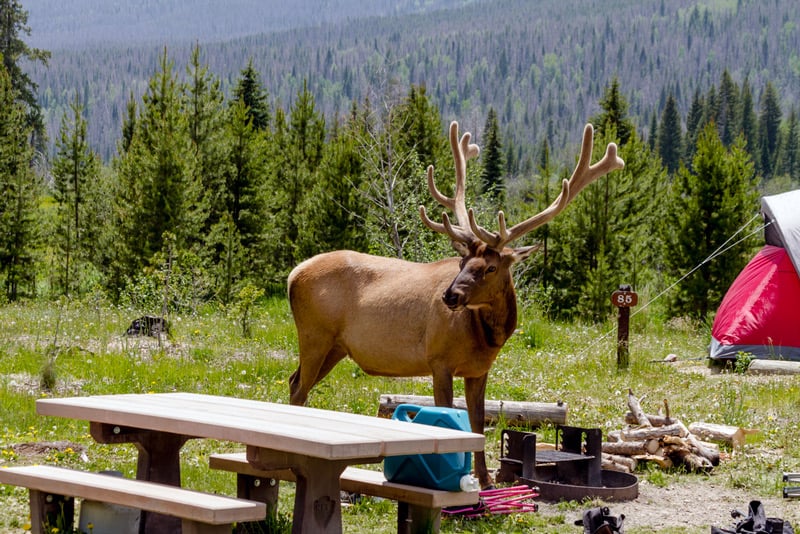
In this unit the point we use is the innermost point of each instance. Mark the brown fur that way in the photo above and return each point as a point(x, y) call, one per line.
point(389, 316)
point(444, 319)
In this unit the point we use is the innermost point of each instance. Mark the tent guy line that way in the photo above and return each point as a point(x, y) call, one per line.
point(718, 252)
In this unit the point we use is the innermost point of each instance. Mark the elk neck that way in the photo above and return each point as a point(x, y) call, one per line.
point(498, 320)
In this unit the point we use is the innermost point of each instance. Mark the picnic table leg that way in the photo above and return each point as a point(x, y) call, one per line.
point(159, 461)
point(261, 489)
point(317, 508)
point(412, 519)
point(47, 508)
point(317, 505)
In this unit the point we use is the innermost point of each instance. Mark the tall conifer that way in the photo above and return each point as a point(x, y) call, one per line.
point(669, 136)
point(75, 174)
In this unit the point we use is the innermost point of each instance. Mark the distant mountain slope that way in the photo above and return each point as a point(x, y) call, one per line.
point(543, 65)
point(76, 23)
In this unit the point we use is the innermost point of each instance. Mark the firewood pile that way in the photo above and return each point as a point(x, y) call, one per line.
point(666, 441)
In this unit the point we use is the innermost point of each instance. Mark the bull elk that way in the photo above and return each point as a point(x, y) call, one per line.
point(447, 319)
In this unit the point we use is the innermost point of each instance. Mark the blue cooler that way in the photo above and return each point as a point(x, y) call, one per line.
point(436, 471)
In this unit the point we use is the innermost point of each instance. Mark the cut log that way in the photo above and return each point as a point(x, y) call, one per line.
point(626, 448)
point(730, 435)
point(636, 409)
point(614, 462)
point(631, 448)
point(773, 367)
point(514, 413)
point(655, 432)
point(680, 454)
point(703, 449)
point(654, 420)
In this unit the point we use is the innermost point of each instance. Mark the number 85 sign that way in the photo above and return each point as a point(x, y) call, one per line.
point(624, 299)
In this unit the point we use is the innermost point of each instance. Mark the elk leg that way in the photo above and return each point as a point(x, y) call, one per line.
point(310, 372)
point(475, 391)
point(443, 388)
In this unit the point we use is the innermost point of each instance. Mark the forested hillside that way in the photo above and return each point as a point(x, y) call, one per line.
point(542, 65)
point(77, 23)
point(181, 174)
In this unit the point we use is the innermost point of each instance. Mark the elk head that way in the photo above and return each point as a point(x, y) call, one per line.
point(486, 259)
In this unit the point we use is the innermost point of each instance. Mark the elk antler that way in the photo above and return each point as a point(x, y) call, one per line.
point(462, 151)
point(583, 175)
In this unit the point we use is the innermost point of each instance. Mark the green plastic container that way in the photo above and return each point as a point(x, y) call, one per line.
point(449, 471)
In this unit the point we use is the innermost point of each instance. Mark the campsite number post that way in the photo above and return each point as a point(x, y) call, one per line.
point(623, 299)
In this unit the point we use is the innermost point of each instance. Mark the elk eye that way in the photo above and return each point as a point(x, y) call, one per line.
point(491, 269)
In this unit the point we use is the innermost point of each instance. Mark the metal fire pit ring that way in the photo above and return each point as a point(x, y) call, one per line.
point(616, 486)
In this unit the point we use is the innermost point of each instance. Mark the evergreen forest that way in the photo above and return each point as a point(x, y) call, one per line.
point(167, 175)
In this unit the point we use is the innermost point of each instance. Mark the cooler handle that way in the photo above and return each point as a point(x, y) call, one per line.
point(403, 411)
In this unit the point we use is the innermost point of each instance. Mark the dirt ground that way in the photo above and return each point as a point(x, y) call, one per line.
point(687, 506)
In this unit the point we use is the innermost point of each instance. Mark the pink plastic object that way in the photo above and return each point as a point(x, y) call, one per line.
point(512, 500)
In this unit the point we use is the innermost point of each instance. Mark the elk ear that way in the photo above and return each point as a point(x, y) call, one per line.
point(522, 253)
point(461, 248)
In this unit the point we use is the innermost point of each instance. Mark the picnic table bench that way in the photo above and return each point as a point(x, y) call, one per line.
point(53, 489)
point(316, 445)
point(419, 509)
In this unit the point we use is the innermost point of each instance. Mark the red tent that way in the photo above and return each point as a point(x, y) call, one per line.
point(760, 314)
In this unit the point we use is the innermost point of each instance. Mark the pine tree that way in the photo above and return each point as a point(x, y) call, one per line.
point(707, 206)
point(422, 129)
point(748, 124)
point(789, 155)
point(128, 125)
point(694, 123)
point(75, 174)
point(669, 136)
point(605, 236)
point(19, 193)
point(295, 153)
point(727, 120)
point(652, 132)
point(14, 52)
point(769, 122)
point(204, 111)
point(492, 176)
point(250, 91)
point(155, 177)
point(614, 114)
point(334, 211)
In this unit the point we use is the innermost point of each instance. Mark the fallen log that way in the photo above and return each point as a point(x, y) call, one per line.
point(613, 462)
point(654, 420)
point(655, 432)
point(678, 450)
point(636, 409)
point(730, 435)
point(631, 448)
point(773, 367)
point(703, 450)
point(515, 413)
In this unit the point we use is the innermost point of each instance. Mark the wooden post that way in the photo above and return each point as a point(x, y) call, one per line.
point(623, 299)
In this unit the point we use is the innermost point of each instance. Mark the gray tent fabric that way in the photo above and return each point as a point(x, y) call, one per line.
point(783, 213)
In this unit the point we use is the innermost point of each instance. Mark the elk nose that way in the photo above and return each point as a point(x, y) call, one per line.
point(451, 298)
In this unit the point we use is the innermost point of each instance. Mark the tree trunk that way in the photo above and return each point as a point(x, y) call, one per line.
point(514, 413)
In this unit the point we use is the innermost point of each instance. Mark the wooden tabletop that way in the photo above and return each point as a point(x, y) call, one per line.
point(318, 433)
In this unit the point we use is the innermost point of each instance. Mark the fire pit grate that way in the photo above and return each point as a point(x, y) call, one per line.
point(573, 471)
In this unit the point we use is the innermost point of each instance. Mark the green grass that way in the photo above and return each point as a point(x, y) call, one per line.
point(88, 354)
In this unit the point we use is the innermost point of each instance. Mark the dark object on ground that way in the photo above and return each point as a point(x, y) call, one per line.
point(148, 325)
point(600, 521)
point(756, 522)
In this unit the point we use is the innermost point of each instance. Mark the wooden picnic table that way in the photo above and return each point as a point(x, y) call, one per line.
point(317, 445)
